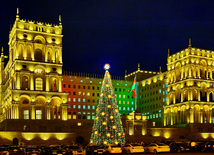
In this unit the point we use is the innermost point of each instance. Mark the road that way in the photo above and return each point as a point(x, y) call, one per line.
point(182, 153)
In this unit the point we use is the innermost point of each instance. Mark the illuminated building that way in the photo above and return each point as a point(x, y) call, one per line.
point(190, 87)
point(31, 80)
point(151, 93)
point(84, 91)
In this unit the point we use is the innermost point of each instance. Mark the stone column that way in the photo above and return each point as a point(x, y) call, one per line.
point(208, 97)
point(48, 111)
point(165, 119)
point(60, 84)
point(64, 114)
point(47, 83)
point(199, 96)
point(18, 82)
point(190, 71)
point(25, 52)
point(33, 111)
point(31, 81)
point(174, 99)
point(172, 118)
point(182, 96)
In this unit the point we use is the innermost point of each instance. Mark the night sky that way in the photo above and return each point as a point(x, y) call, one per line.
point(122, 33)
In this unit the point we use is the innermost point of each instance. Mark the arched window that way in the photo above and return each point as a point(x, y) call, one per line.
point(38, 55)
point(24, 83)
point(39, 84)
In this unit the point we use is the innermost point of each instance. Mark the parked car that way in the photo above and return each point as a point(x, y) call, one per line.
point(175, 147)
point(52, 149)
point(157, 147)
point(94, 149)
point(34, 150)
point(113, 149)
point(209, 146)
point(3, 150)
point(133, 148)
point(200, 146)
point(15, 150)
point(75, 150)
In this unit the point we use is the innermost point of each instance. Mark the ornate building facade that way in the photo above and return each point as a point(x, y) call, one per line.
point(31, 85)
point(190, 87)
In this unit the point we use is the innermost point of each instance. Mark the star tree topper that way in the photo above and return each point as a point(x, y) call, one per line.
point(107, 66)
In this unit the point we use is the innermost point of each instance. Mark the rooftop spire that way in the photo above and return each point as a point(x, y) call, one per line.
point(17, 14)
point(168, 52)
point(2, 54)
point(160, 69)
point(60, 20)
point(190, 43)
point(125, 72)
point(138, 66)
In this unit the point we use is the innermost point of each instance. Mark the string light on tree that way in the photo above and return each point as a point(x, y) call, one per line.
point(107, 128)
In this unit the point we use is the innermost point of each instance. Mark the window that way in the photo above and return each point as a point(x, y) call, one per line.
point(88, 117)
point(83, 87)
point(74, 116)
point(83, 93)
point(88, 106)
point(26, 114)
point(124, 102)
point(79, 106)
point(98, 88)
point(93, 87)
point(74, 86)
point(90, 81)
point(93, 107)
point(88, 87)
point(63, 85)
point(124, 96)
point(159, 90)
point(69, 99)
point(81, 80)
point(39, 84)
point(93, 117)
point(79, 93)
point(79, 100)
point(119, 96)
point(74, 93)
point(119, 108)
point(79, 87)
point(83, 106)
point(38, 114)
point(69, 86)
point(83, 100)
point(119, 102)
point(69, 106)
point(74, 99)
point(74, 106)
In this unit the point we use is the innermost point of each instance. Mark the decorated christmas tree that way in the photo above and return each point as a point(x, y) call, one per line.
point(107, 128)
